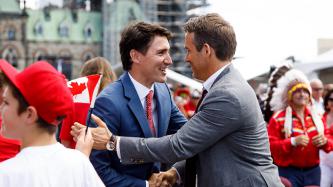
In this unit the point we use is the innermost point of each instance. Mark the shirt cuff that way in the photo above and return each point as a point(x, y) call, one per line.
point(179, 180)
point(293, 141)
point(147, 184)
point(118, 148)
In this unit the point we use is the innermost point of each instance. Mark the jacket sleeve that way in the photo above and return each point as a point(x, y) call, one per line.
point(191, 138)
point(279, 145)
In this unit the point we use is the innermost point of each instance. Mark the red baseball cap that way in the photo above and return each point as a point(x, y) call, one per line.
point(11, 72)
point(43, 87)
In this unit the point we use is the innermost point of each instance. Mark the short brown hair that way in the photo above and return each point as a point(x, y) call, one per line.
point(99, 65)
point(138, 36)
point(216, 32)
point(23, 105)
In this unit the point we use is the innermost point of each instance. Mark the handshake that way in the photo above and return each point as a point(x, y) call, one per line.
point(163, 179)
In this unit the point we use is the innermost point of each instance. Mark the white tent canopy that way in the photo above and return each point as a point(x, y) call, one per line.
point(177, 77)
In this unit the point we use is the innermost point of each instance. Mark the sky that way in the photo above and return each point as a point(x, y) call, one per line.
point(276, 29)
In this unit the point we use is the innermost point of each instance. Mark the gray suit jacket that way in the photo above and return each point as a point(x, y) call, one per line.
point(228, 132)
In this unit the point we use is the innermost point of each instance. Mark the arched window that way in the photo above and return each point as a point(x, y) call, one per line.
point(39, 55)
point(11, 32)
point(87, 31)
point(38, 28)
point(63, 29)
point(11, 55)
point(87, 56)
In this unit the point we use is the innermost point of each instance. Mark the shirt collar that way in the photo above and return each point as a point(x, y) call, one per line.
point(140, 89)
point(209, 82)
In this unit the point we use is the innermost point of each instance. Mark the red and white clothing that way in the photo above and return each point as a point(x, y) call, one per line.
point(283, 152)
point(8, 147)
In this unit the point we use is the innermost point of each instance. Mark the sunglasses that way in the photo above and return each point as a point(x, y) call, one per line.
point(317, 89)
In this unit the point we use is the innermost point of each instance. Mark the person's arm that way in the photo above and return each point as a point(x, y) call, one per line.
point(278, 143)
point(219, 116)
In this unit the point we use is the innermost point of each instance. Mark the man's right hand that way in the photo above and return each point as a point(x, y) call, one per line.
point(101, 134)
point(163, 179)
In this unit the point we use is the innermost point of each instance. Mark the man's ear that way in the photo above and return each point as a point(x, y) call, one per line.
point(31, 115)
point(206, 49)
point(135, 56)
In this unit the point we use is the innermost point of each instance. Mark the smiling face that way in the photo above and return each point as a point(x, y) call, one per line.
point(12, 126)
point(300, 98)
point(152, 65)
point(194, 57)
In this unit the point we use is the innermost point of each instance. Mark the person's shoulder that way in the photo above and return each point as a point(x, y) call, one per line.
point(12, 165)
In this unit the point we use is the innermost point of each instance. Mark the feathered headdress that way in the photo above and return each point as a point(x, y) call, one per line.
point(286, 85)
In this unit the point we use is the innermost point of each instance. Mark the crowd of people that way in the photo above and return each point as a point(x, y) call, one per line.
point(144, 133)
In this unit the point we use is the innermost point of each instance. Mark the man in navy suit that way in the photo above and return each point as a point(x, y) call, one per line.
point(124, 108)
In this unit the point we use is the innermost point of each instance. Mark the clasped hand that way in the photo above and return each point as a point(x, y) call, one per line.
point(163, 179)
point(318, 140)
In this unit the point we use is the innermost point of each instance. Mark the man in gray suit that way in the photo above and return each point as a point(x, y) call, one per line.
point(227, 134)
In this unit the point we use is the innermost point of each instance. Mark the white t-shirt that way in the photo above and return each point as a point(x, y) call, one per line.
point(48, 166)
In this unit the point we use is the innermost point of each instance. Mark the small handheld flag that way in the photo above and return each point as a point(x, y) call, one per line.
point(85, 90)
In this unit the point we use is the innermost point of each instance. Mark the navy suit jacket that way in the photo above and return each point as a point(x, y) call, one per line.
point(119, 106)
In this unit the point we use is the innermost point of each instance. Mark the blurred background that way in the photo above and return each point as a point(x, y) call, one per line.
point(67, 33)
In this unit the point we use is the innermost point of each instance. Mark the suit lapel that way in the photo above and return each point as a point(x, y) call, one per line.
point(135, 105)
point(161, 115)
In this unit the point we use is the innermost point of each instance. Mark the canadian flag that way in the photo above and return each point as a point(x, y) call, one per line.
point(85, 89)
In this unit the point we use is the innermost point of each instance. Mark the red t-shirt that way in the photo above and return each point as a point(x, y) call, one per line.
point(8, 147)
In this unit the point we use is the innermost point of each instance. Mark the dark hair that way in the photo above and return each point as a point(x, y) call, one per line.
point(138, 36)
point(23, 105)
point(216, 32)
point(327, 96)
point(99, 65)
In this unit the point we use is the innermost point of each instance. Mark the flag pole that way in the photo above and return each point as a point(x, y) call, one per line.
point(92, 103)
point(89, 119)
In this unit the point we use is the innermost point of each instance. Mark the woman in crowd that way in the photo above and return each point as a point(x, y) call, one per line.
point(97, 65)
point(326, 159)
point(296, 132)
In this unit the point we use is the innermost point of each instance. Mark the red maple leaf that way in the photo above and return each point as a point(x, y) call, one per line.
point(77, 88)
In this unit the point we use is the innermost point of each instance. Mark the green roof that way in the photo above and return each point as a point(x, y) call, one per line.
point(9, 6)
point(58, 17)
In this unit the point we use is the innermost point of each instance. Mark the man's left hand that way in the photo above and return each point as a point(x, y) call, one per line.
point(319, 140)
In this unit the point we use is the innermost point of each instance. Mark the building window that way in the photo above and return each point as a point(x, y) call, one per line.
point(40, 55)
point(10, 54)
point(87, 32)
point(11, 34)
point(63, 30)
point(87, 56)
point(38, 29)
